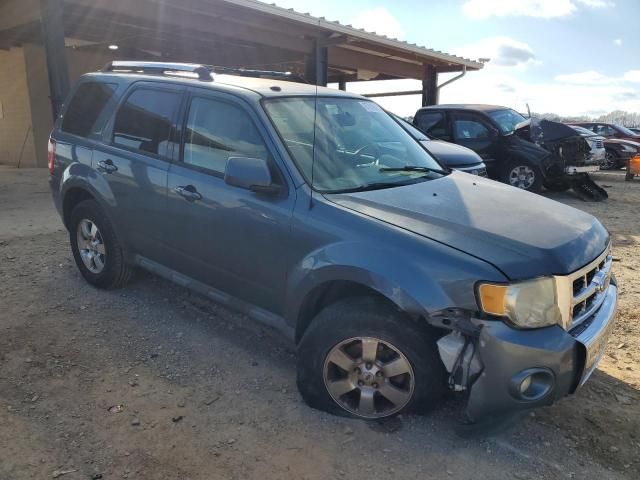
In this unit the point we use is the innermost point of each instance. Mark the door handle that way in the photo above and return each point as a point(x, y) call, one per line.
point(107, 166)
point(189, 192)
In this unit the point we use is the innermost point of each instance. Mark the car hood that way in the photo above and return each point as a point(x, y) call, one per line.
point(623, 142)
point(522, 234)
point(450, 154)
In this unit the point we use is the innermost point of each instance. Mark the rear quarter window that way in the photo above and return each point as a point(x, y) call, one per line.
point(83, 115)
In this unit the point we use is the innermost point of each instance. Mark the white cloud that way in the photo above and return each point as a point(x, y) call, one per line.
point(617, 42)
point(589, 77)
point(597, 3)
point(380, 21)
point(632, 76)
point(482, 9)
point(503, 52)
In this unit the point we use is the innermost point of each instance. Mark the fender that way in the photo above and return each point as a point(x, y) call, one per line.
point(79, 175)
point(411, 283)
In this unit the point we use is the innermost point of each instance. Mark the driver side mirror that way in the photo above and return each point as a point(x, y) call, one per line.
point(251, 174)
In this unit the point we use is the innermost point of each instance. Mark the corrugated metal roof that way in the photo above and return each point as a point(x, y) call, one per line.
point(358, 33)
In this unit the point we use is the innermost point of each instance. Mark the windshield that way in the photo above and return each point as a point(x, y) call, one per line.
point(626, 131)
point(507, 120)
point(413, 131)
point(346, 144)
point(585, 132)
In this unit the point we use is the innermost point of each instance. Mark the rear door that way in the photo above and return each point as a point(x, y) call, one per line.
point(228, 237)
point(134, 160)
point(434, 123)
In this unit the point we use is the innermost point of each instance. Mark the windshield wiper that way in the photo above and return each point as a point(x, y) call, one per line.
point(413, 168)
point(370, 186)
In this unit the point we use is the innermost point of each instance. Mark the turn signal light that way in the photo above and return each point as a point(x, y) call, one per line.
point(492, 298)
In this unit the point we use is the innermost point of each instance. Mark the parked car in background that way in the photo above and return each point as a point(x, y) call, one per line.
point(449, 154)
point(610, 130)
point(596, 142)
point(514, 153)
point(314, 211)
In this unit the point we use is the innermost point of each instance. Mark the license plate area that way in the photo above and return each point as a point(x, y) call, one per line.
point(594, 352)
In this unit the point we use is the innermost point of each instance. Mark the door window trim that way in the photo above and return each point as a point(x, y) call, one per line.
point(145, 85)
point(236, 102)
point(475, 117)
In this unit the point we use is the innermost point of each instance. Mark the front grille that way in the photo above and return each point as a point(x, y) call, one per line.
point(589, 288)
point(599, 144)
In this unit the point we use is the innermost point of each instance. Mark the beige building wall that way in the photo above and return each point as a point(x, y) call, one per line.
point(16, 133)
point(26, 118)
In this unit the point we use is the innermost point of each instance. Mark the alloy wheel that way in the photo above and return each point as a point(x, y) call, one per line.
point(368, 377)
point(91, 246)
point(522, 177)
point(609, 161)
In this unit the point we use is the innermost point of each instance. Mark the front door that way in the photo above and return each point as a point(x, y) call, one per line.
point(134, 160)
point(472, 131)
point(228, 237)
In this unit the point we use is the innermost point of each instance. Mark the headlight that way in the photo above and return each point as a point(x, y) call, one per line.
point(629, 148)
point(530, 304)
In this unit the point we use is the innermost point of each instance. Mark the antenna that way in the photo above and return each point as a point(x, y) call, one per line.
point(313, 145)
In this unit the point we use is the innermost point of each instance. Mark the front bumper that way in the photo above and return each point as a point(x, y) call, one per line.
point(567, 359)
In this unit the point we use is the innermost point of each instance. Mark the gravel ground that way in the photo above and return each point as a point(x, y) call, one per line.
point(154, 382)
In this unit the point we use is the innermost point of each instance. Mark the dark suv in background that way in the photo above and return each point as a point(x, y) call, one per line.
point(516, 151)
point(314, 211)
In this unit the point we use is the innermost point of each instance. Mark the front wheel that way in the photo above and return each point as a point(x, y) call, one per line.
point(363, 359)
point(611, 160)
point(523, 175)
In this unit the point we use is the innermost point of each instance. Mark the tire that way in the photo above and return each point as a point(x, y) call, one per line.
point(100, 257)
point(531, 177)
point(342, 325)
point(557, 186)
point(611, 160)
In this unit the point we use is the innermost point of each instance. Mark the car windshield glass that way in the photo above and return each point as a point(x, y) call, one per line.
point(413, 131)
point(507, 120)
point(626, 131)
point(349, 144)
point(583, 131)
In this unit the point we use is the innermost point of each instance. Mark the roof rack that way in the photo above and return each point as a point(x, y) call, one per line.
point(245, 72)
point(159, 68)
point(204, 72)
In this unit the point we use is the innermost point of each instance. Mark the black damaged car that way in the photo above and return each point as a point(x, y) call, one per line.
point(518, 151)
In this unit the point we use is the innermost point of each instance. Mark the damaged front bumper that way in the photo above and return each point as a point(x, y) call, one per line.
point(524, 369)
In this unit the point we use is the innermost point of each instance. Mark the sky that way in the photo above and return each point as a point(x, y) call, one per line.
point(569, 57)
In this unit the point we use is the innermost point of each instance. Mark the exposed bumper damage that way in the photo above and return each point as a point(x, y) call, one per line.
point(505, 370)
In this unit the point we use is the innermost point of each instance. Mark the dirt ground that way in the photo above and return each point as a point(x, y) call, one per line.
point(154, 382)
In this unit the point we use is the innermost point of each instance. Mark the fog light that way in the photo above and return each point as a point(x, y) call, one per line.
point(532, 384)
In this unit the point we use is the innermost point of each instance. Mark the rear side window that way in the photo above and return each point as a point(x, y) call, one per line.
point(218, 130)
point(433, 123)
point(144, 121)
point(82, 116)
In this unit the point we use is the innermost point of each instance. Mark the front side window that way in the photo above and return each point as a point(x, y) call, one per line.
point(347, 144)
point(217, 130)
point(82, 116)
point(507, 120)
point(144, 121)
point(468, 127)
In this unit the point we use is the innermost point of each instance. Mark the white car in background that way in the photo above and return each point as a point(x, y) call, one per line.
point(596, 142)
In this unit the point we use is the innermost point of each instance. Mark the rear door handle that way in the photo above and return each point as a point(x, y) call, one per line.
point(107, 166)
point(189, 192)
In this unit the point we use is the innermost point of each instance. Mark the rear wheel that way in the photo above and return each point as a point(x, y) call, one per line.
point(521, 174)
point(363, 359)
point(96, 249)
